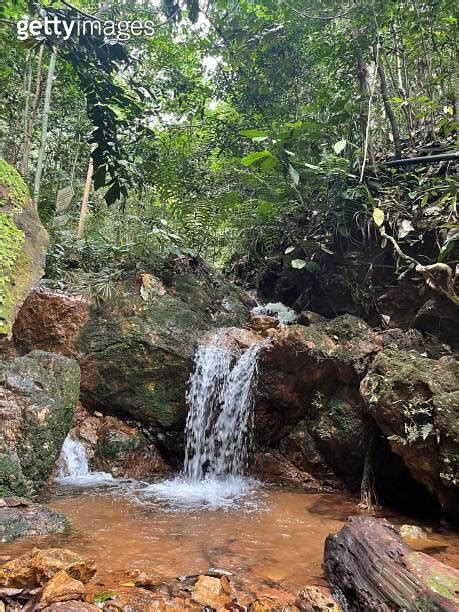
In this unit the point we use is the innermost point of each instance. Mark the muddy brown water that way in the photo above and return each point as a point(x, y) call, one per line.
point(273, 538)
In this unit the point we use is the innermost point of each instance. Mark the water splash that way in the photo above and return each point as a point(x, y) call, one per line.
point(74, 468)
point(220, 419)
point(219, 432)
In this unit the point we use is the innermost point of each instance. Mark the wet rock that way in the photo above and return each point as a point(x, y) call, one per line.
point(415, 402)
point(35, 568)
point(300, 448)
point(30, 520)
point(307, 317)
point(212, 592)
point(131, 347)
point(311, 375)
point(371, 568)
point(268, 604)
point(261, 323)
point(272, 466)
point(117, 447)
point(412, 532)
point(38, 394)
point(61, 587)
point(315, 599)
point(71, 606)
point(23, 244)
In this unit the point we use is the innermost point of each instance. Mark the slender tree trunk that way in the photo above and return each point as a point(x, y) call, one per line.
point(44, 128)
point(85, 200)
point(27, 94)
point(389, 110)
point(364, 90)
point(32, 115)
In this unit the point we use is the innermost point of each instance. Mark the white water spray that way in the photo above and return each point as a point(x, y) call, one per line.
point(74, 468)
point(219, 430)
point(220, 418)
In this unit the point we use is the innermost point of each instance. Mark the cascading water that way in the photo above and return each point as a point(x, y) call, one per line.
point(220, 418)
point(73, 465)
point(218, 430)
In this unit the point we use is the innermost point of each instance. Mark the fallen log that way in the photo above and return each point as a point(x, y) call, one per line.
point(371, 568)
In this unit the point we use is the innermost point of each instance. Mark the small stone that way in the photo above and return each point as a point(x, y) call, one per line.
point(209, 591)
point(315, 599)
point(62, 587)
point(412, 532)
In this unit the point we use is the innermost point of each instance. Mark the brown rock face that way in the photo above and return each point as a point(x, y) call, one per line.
point(37, 567)
point(308, 403)
point(61, 587)
point(52, 321)
point(371, 568)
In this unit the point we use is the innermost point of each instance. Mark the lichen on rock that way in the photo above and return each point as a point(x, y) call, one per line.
point(23, 242)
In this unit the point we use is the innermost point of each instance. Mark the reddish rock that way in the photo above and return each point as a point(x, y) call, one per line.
point(51, 321)
point(316, 599)
point(36, 567)
point(272, 466)
point(61, 587)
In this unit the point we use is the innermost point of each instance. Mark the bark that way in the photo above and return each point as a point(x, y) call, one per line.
point(44, 128)
point(364, 90)
point(31, 116)
point(372, 569)
point(85, 200)
point(389, 110)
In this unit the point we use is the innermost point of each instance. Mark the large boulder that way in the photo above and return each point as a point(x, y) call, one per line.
point(136, 349)
point(38, 394)
point(415, 402)
point(308, 402)
point(19, 518)
point(23, 244)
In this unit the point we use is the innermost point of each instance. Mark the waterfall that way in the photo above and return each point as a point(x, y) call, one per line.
point(220, 418)
point(73, 462)
point(73, 465)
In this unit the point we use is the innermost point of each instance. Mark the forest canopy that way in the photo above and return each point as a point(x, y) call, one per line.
point(243, 132)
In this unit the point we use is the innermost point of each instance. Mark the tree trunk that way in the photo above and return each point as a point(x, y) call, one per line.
point(44, 128)
point(372, 569)
point(389, 110)
point(30, 116)
point(85, 200)
point(364, 90)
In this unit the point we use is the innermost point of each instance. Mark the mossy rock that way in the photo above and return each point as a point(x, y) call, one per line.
point(23, 243)
point(38, 394)
point(415, 402)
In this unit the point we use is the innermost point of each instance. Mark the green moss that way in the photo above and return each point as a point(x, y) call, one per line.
point(13, 190)
point(12, 258)
point(11, 477)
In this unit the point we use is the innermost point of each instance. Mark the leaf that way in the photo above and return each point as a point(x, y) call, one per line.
point(103, 597)
point(254, 133)
point(378, 216)
point(295, 175)
point(254, 157)
point(129, 583)
point(298, 264)
point(325, 250)
point(339, 146)
point(405, 228)
point(289, 250)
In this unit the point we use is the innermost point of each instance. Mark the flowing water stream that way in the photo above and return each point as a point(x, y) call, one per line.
point(211, 515)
